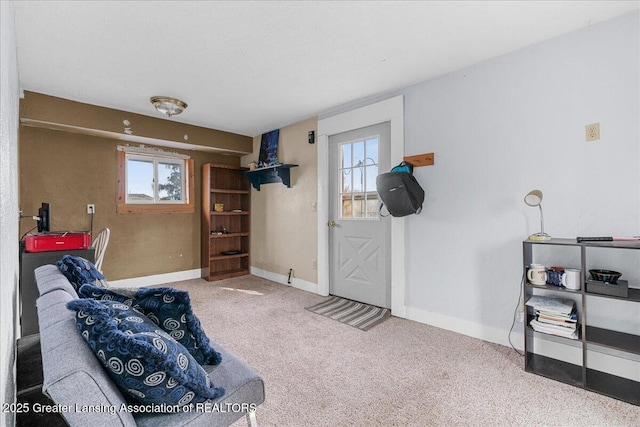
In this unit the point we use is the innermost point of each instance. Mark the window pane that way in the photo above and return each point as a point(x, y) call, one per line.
point(358, 178)
point(372, 205)
point(345, 212)
point(358, 206)
point(345, 155)
point(169, 181)
point(372, 151)
point(346, 181)
point(139, 181)
point(358, 153)
point(371, 173)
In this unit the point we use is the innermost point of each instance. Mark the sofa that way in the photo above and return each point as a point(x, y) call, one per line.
point(84, 394)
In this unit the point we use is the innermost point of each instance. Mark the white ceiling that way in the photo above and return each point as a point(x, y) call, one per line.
point(250, 67)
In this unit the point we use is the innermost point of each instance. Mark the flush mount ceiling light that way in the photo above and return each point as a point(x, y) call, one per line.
point(167, 105)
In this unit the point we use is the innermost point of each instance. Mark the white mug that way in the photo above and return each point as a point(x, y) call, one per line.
point(537, 274)
point(571, 279)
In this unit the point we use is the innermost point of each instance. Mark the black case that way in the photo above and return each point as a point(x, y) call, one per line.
point(400, 193)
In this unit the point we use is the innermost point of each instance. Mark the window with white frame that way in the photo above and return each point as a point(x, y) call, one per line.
point(151, 179)
point(154, 181)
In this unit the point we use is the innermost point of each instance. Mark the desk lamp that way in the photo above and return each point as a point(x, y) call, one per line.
point(533, 199)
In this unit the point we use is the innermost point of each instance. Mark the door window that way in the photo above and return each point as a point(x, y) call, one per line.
point(358, 168)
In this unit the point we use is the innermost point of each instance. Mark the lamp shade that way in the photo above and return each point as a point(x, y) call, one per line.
point(533, 198)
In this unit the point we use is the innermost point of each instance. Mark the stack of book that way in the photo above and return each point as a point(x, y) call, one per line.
point(554, 316)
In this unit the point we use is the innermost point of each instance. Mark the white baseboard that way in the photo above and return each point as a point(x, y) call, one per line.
point(279, 278)
point(156, 279)
point(159, 279)
point(466, 327)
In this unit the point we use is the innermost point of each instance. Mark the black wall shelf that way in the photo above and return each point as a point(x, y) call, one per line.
point(270, 174)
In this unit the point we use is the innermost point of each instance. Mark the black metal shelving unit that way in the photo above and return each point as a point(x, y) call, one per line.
point(590, 336)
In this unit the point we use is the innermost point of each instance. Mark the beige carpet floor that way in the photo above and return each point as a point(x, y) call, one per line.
point(319, 372)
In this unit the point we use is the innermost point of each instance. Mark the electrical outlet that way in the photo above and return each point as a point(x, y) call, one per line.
point(593, 132)
point(314, 264)
point(91, 208)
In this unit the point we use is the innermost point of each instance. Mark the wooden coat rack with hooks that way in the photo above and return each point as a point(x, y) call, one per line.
point(420, 159)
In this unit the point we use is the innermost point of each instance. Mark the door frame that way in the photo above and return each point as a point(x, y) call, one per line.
point(390, 110)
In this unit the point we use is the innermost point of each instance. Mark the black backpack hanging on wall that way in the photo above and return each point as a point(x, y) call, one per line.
point(399, 191)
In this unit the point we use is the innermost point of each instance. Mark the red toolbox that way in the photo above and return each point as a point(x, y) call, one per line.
point(57, 241)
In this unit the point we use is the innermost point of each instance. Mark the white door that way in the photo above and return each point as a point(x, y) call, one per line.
point(359, 240)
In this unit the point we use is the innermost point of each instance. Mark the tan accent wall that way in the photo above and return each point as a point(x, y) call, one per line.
point(283, 223)
point(70, 170)
point(44, 110)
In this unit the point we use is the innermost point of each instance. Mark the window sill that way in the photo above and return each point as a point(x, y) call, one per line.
point(151, 209)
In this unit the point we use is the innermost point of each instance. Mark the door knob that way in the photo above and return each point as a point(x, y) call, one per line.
point(332, 224)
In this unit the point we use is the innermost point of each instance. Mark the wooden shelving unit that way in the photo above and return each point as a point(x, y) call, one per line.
point(226, 231)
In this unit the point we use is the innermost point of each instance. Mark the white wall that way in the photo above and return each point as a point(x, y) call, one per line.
point(500, 129)
point(9, 90)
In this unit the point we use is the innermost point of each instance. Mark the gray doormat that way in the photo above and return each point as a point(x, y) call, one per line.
point(352, 313)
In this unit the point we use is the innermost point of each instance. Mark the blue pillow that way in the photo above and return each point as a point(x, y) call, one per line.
point(80, 271)
point(170, 309)
point(142, 360)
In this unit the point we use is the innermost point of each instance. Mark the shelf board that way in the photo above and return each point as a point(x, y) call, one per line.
point(573, 242)
point(554, 369)
point(227, 235)
point(554, 241)
point(557, 338)
point(221, 257)
point(229, 213)
point(270, 174)
point(225, 274)
point(613, 339)
point(553, 288)
point(225, 191)
point(634, 295)
point(601, 382)
point(614, 386)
